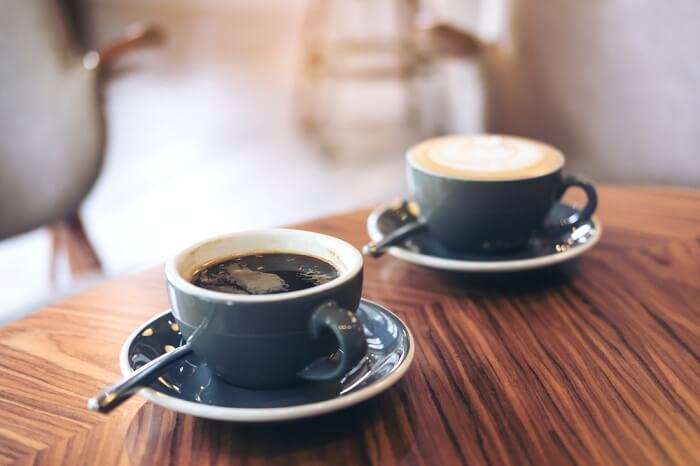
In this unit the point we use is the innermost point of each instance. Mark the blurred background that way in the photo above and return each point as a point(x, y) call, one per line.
point(129, 129)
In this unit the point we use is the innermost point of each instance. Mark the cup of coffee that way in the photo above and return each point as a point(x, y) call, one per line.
point(488, 192)
point(270, 308)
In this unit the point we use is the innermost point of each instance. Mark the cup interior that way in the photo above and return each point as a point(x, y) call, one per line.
point(343, 256)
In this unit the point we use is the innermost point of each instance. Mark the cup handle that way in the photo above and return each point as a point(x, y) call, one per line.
point(579, 217)
point(352, 344)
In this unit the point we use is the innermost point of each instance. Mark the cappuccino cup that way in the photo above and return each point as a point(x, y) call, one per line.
point(490, 193)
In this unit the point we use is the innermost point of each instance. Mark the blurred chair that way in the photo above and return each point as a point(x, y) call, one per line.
point(52, 131)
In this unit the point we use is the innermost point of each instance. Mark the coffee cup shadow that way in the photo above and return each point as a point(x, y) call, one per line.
point(511, 283)
point(157, 436)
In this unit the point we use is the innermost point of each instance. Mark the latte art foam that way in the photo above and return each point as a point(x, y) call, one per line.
point(486, 157)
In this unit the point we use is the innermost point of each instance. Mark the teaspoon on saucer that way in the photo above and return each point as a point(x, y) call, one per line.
point(412, 225)
point(113, 396)
point(377, 248)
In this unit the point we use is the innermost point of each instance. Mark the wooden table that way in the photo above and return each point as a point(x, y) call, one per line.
point(592, 362)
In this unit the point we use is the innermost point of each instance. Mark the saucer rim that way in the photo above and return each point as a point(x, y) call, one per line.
point(458, 265)
point(251, 415)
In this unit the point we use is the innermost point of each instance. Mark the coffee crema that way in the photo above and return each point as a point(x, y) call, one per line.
point(485, 157)
point(265, 273)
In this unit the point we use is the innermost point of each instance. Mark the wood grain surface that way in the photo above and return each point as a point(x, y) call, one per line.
point(591, 362)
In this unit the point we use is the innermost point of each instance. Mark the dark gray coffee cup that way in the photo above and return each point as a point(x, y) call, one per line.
point(267, 341)
point(492, 215)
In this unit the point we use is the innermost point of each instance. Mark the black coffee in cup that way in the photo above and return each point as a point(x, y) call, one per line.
point(265, 273)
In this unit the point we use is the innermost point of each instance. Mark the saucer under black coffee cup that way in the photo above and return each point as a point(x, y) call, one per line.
point(190, 387)
point(487, 193)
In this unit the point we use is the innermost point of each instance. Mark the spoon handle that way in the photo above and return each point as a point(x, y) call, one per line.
point(113, 396)
point(376, 248)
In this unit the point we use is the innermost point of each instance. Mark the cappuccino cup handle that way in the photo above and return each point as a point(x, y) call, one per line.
point(579, 217)
point(352, 344)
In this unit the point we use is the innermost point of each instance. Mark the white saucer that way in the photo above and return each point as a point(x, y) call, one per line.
point(422, 249)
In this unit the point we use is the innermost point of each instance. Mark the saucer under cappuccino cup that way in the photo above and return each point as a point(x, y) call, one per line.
point(282, 336)
point(490, 192)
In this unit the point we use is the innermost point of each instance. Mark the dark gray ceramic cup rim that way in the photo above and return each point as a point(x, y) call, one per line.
point(411, 163)
point(342, 255)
